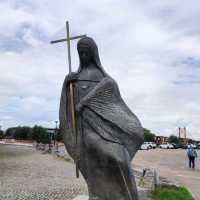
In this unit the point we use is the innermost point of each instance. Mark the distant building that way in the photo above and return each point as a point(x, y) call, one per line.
point(161, 139)
point(185, 140)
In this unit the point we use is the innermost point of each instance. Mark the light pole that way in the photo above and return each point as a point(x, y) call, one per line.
point(55, 133)
point(56, 136)
point(1, 133)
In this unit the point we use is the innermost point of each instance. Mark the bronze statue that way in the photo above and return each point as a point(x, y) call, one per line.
point(108, 133)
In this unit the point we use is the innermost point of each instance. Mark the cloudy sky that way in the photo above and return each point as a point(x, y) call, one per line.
point(151, 48)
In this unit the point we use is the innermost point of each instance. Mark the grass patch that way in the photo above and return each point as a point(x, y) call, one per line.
point(171, 193)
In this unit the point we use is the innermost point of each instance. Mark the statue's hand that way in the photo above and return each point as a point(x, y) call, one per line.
point(72, 77)
point(78, 108)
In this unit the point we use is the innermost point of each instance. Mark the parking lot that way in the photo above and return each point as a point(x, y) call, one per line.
point(28, 174)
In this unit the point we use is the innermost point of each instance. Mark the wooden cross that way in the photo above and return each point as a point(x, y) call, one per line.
point(68, 39)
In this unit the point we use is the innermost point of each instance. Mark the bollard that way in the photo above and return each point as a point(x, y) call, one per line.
point(155, 179)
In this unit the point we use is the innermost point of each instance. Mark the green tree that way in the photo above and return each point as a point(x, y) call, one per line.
point(58, 135)
point(1, 134)
point(20, 133)
point(10, 132)
point(148, 135)
point(174, 139)
point(40, 134)
point(37, 133)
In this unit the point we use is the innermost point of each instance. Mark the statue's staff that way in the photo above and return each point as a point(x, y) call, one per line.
point(68, 39)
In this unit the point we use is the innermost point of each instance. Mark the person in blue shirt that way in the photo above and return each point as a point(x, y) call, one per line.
point(192, 155)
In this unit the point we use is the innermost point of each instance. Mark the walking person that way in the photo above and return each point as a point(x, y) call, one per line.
point(192, 155)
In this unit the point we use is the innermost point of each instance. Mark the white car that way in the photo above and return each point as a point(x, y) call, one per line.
point(148, 145)
point(151, 145)
point(166, 146)
point(145, 147)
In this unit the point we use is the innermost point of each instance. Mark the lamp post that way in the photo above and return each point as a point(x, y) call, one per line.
point(55, 133)
point(56, 136)
point(50, 140)
point(1, 134)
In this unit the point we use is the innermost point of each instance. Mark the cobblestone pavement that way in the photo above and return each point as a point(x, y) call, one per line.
point(173, 165)
point(26, 174)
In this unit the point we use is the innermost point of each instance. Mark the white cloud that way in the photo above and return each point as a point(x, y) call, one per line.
point(144, 45)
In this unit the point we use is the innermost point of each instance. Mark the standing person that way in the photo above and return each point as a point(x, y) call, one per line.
point(192, 154)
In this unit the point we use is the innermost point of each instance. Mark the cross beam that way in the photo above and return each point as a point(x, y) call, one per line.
point(65, 39)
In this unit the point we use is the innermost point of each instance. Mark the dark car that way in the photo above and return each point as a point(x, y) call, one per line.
point(179, 146)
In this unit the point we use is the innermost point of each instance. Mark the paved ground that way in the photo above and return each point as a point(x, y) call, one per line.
point(29, 175)
point(172, 164)
point(26, 174)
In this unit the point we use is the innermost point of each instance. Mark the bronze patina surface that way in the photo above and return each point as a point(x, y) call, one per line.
point(108, 133)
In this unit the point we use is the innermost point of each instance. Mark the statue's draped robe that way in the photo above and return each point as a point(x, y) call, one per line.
point(109, 135)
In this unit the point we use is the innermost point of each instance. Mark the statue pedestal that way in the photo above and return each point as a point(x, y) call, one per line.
point(81, 197)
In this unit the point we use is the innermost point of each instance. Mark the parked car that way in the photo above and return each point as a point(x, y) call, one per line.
point(148, 145)
point(178, 146)
point(166, 146)
point(151, 145)
point(184, 146)
point(145, 147)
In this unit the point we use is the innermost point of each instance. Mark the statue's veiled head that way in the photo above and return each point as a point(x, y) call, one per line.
point(88, 52)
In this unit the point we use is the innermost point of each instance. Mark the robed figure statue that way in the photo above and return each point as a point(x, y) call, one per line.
point(108, 133)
